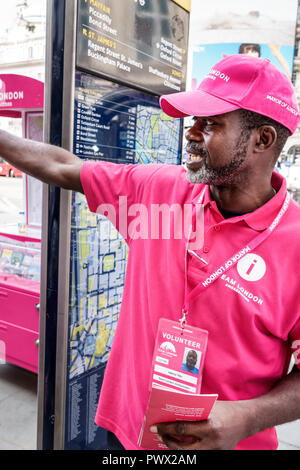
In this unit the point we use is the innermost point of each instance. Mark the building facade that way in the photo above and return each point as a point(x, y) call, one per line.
point(22, 50)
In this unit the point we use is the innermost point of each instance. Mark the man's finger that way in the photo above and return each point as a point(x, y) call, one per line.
point(197, 429)
point(175, 444)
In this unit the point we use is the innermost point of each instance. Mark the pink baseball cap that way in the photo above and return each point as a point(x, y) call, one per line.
point(239, 81)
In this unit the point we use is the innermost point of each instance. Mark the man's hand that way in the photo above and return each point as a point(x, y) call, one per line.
point(232, 421)
point(48, 163)
point(226, 426)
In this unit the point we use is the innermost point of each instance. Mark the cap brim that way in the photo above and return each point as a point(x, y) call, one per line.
point(194, 103)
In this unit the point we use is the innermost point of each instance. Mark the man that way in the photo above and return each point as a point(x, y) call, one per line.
point(246, 268)
point(250, 49)
point(190, 362)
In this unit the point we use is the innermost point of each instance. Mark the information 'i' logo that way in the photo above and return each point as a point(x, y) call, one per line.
point(251, 267)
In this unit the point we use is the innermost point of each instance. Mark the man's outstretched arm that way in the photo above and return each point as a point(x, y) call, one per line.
point(48, 163)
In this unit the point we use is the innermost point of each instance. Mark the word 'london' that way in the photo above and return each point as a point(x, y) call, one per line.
point(216, 73)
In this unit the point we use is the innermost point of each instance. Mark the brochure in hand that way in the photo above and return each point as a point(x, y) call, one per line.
point(169, 406)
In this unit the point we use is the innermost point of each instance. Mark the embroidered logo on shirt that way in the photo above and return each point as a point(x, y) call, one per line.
point(251, 267)
point(245, 293)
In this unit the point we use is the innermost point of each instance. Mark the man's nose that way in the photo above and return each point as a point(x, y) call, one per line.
point(194, 133)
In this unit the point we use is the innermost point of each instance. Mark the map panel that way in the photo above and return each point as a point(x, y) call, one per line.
point(98, 258)
point(118, 124)
point(156, 136)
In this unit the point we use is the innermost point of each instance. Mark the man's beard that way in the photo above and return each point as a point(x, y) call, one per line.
point(224, 174)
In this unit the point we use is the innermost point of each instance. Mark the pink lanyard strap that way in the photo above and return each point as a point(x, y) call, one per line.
point(188, 298)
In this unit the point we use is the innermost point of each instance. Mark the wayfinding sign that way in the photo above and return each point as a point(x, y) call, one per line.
point(113, 74)
point(143, 43)
point(116, 123)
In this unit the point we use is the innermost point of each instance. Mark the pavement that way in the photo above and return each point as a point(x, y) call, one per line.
point(18, 413)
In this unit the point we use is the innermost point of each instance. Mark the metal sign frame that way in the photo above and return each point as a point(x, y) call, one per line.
point(64, 228)
point(54, 200)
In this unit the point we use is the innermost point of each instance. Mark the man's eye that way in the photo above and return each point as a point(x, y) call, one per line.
point(208, 123)
point(203, 122)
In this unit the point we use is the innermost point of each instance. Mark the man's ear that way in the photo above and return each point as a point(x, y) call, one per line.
point(266, 137)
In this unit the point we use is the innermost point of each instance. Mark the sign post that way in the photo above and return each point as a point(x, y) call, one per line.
point(112, 75)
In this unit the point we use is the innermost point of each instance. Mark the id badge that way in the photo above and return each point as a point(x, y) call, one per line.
point(178, 357)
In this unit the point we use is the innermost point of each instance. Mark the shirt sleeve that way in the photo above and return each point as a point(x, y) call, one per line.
point(112, 188)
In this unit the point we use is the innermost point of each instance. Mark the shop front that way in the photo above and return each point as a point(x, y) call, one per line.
point(20, 239)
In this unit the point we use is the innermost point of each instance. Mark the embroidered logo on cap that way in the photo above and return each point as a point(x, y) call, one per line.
point(283, 104)
point(216, 73)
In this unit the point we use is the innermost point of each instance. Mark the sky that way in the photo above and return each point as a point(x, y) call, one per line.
point(233, 21)
point(8, 11)
point(279, 9)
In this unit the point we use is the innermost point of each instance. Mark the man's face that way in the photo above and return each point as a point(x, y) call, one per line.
point(251, 49)
point(217, 149)
point(191, 359)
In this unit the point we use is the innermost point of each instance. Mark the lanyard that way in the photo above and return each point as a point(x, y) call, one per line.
point(189, 297)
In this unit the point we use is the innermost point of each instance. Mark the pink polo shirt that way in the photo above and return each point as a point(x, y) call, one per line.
point(252, 312)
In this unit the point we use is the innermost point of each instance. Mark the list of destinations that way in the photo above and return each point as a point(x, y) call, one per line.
point(122, 125)
point(104, 126)
point(147, 48)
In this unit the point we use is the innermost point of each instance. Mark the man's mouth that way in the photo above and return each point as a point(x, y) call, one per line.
point(195, 158)
point(194, 161)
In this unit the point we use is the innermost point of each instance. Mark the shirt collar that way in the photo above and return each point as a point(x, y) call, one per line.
point(262, 217)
